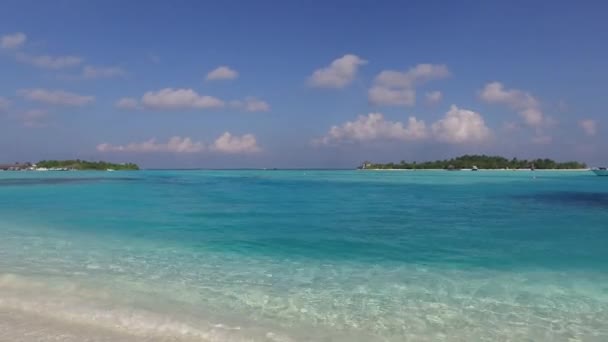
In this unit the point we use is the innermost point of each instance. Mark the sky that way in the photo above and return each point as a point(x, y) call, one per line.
point(296, 84)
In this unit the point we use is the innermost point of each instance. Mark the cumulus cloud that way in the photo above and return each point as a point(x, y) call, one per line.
point(55, 97)
point(13, 41)
point(458, 126)
point(588, 126)
point(381, 95)
point(396, 88)
point(340, 73)
point(461, 126)
point(170, 98)
point(433, 97)
point(127, 103)
point(228, 143)
point(174, 145)
point(375, 127)
point(16, 40)
point(92, 72)
point(222, 73)
point(251, 104)
point(417, 75)
point(183, 99)
point(49, 62)
point(527, 105)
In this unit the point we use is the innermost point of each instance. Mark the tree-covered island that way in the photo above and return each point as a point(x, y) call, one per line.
point(479, 161)
point(78, 164)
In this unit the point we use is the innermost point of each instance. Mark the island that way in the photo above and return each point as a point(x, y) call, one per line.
point(78, 164)
point(475, 162)
point(66, 165)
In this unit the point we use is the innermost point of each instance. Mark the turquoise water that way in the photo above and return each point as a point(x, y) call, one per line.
point(303, 256)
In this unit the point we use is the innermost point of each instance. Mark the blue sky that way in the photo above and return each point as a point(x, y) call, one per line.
point(301, 83)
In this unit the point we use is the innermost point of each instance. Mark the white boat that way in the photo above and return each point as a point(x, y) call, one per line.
point(600, 171)
point(110, 170)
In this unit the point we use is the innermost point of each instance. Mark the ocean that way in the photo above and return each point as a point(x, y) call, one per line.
point(302, 255)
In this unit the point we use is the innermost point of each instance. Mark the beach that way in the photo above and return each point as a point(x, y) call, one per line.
point(303, 255)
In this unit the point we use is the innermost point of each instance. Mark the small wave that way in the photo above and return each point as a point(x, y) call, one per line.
point(71, 305)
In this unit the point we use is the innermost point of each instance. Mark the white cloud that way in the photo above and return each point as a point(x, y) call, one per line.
point(375, 127)
point(433, 97)
point(228, 143)
point(55, 97)
point(13, 41)
point(494, 92)
point(396, 88)
point(173, 98)
point(417, 75)
point(589, 126)
point(127, 103)
point(533, 116)
point(170, 98)
point(461, 126)
point(174, 145)
point(91, 72)
point(49, 62)
point(17, 40)
point(222, 73)
point(392, 96)
point(4, 104)
point(340, 73)
point(251, 104)
point(527, 105)
point(456, 127)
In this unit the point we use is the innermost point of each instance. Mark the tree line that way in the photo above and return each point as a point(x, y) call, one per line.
point(78, 164)
point(481, 162)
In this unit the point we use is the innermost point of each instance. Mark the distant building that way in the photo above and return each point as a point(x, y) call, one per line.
point(365, 165)
point(15, 166)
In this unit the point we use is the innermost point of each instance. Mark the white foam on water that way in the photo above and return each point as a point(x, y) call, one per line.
point(440, 307)
point(72, 311)
point(154, 292)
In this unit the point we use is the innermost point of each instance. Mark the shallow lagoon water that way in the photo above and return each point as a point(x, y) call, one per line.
point(303, 256)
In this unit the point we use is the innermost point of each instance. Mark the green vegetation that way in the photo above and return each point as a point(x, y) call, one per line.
point(480, 161)
point(85, 165)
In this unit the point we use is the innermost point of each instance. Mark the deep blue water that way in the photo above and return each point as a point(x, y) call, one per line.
point(310, 255)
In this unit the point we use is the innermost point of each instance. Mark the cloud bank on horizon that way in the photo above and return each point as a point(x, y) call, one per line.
point(226, 143)
point(458, 126)
point(353, 100)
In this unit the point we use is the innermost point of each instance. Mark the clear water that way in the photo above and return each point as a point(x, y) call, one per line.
point(303, 256)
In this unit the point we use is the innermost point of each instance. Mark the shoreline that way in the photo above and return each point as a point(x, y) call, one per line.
point(485, 170)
